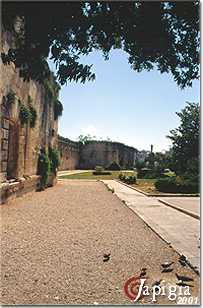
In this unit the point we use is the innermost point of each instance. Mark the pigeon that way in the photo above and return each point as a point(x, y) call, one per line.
point(143, 272)
point(167, 270)
point(183, 284)
point(183, 258)
point(183, 278)
point(166, 264)
point(106, 257)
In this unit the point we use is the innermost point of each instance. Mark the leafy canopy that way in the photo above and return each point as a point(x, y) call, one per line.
point(162, 35)
point(185, 139)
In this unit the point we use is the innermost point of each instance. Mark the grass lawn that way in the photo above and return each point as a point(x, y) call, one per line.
point(90, 176)
point(146, 185)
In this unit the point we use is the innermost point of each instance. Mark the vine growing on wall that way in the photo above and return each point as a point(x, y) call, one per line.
point(58, 109)
point(27, 114)
point(54, 159)
point(10, 97)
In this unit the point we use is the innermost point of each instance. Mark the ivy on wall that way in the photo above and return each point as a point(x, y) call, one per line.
point(27, 114)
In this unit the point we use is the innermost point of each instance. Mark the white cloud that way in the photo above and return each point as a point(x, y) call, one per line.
point(89, 130)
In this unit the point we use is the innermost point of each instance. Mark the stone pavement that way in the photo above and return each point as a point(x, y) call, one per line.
point(180, 230)
point(189, 205)
point(70, 172)
point(54, 243)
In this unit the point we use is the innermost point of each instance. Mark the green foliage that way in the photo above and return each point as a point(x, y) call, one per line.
point(114, 166)
point(58, 109)
point(33, 116)
point(139, 165)
point(129, 179)
point(24, 114)
point(185, 138)
point(178, 185)
point(54, 159)
point(27, 114)
point(44, 168)
point(99, 170)
point(162, 35)
point(10, 97)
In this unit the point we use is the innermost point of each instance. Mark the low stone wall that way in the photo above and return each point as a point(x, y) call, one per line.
point(18, 188)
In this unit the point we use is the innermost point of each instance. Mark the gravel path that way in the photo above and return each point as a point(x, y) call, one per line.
point(53, 244)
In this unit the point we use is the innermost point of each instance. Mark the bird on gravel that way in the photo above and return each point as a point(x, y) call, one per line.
point(143, 272)
point(166, 264)
point(183, 278)
point(167, 270)
point(106, 257)
point(182, 260)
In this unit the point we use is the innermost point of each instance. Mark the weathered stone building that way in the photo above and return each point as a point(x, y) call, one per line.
point(94, 153)
point(21, 140)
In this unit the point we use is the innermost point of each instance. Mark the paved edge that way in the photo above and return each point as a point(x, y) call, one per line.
point(178, 208)
point(153, 226)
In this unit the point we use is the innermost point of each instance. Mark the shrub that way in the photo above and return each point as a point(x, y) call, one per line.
point(43, 168)
point(99, 169)
point(54, 159)
point(167, 184)
point(129, 179)
point(178, 184)
point(114, 166)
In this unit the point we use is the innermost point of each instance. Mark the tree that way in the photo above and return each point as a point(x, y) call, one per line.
point(162, 35)
point(86, 138)
point(185, 140)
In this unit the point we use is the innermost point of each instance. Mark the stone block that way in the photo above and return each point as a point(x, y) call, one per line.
point(5, 133)
point(4, 155)
point(5, 123)
point(4, 145)
point(3, 166)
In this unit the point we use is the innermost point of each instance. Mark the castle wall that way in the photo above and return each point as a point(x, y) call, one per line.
point(94, 153)
point(20, 144)
point(69, 154)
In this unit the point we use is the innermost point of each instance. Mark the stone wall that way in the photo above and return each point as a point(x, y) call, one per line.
point(69, 154)
point(94, 153)
point(20, 143)
point(103, 153)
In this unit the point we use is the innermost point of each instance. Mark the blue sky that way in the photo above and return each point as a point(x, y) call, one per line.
point(137, 109)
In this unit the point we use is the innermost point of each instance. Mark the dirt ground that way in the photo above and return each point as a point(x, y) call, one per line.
point(54, 242)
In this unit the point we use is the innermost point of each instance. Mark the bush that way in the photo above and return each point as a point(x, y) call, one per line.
point(129, 179)
point(99, 170)
point(166, 184)
point(178, 184)
point(54, 159)
point(148, 173)
point(114, 166)
point(43, 168)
